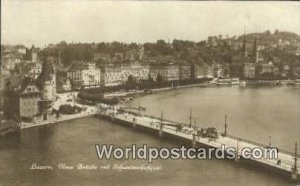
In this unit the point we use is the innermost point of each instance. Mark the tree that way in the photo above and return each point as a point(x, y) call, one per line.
point(150, 78)
point(159, 78)
point(117, 47)
point(102, 48)
point(268, 33)
point(69, 109)
point(133, 46)
point(62, 44)
point(131, 82)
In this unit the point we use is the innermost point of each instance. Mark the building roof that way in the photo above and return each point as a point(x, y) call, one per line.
point(26, 82)
point(18, 84)
point(13, 81)
point(80, 66)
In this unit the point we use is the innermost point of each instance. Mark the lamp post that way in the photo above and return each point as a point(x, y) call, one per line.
point(294, 168)
point(190, 117)
point(225, 126)
point(160, 133)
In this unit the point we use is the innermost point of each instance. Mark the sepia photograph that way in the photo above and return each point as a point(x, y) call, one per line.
point(152, 93)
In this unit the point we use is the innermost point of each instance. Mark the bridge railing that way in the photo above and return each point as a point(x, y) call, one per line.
point(262, 145)
point(154, 117)
point(231, 136)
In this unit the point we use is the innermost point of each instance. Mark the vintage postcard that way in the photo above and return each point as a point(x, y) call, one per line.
point(152, 93)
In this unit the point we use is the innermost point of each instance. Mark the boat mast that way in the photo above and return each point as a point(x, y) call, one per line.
point(161, 117)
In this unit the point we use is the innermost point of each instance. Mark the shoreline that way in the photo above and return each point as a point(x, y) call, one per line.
point(248, 83)
point(156, 90)
point(92, 110)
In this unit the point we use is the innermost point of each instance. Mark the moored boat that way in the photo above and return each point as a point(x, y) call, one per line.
point(243, 83)
point(228, 82)
point(297, 82)
point(288, 82)
point(235, 81)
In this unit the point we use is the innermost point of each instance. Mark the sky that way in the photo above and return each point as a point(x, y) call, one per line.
point(51, 21)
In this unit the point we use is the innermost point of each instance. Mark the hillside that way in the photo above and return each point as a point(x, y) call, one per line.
point(267, 36)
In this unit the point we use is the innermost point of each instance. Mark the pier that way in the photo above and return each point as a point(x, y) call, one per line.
point(286, 163)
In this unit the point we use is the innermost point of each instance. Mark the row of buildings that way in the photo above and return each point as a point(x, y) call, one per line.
point(89, 74)
point(258, 70)
point(11, 57)
point(31, 98)
point(255, 66)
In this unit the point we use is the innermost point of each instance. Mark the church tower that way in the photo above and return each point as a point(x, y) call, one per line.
point(255, 51)
point(34, 54)
point(244, 44)
point(141, 52)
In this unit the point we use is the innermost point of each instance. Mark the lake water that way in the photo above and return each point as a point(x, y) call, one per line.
point(253, 113)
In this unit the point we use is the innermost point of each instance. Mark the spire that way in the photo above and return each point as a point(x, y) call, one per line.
point(225, 126)
point(244, 43)
point(191, 117)
point(255, 52)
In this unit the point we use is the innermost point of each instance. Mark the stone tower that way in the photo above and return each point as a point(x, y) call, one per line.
point(34, 54)
point(47, 81)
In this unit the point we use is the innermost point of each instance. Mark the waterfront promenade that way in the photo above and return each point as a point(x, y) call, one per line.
point(62, 99)
point(90, 111)
point(160, 125)
point(155, 90)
